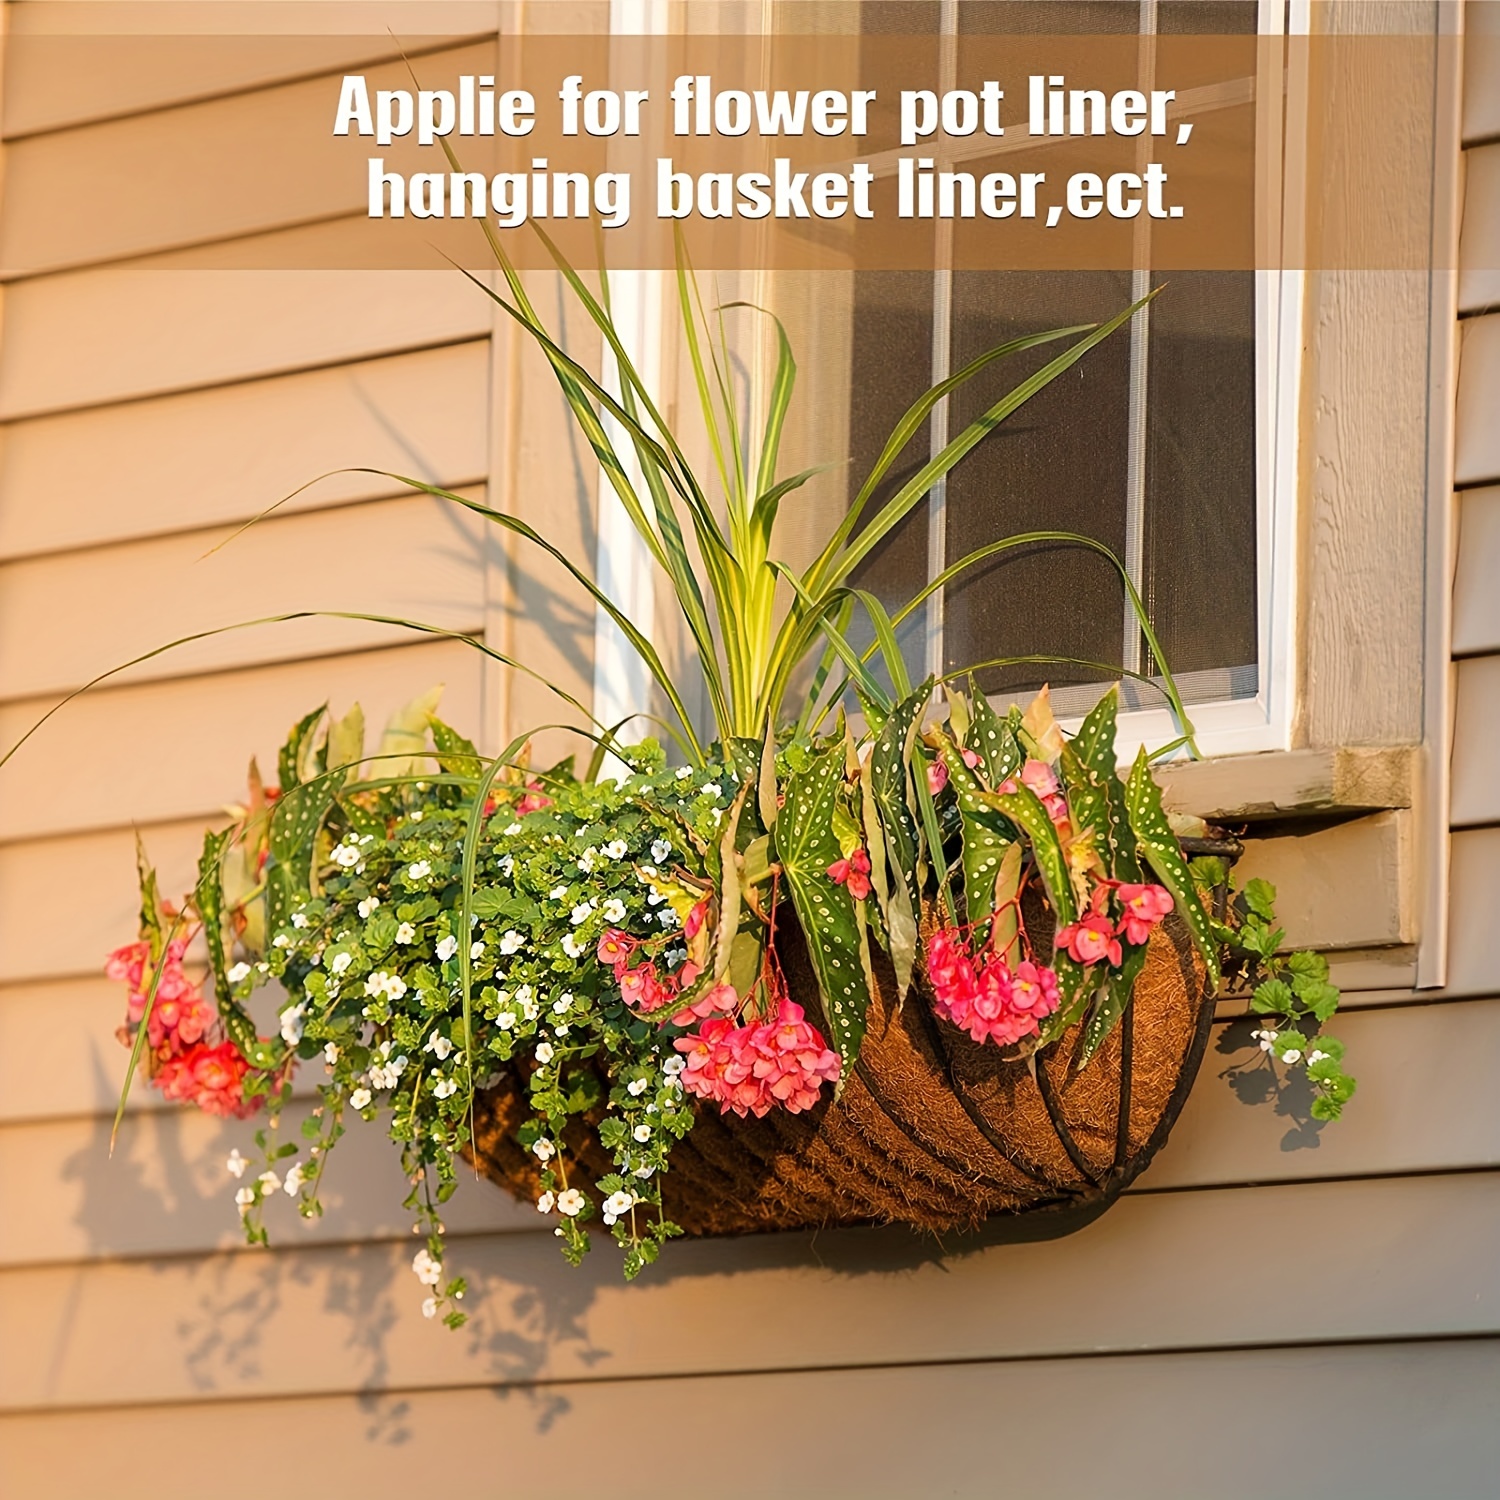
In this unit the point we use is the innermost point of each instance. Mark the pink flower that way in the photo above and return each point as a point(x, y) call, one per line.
point(749, 1070)
point(1143, 907)
point(853, 872)
point(972, 759)
point(643, 990)
point(128, 963)
point(179, 1020)
point(213, 1078)
point(1091, 939)
point(1041, 778)
point(991, 1003)
point(720, 1000)
point(950, 969)
point(937, 776)
point(615, 948)
point(132, 964)
point(695, 920)
point(533, 800)
point(1034, 990)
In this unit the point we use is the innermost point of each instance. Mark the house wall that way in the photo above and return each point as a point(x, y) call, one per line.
point(1276, 1310)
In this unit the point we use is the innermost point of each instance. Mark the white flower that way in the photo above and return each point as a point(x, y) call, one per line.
point(239, 973)
point(1292, 1055)
point(561, 1029)
point(429, 1304)
point(1267, 1039)
point(511, 829)
point(562, 1005)
point(406, 933)
point(684, 772)
point(660, 851)
point(416, 817)
point(642, 1133)
point(668, 918)
point(508, 865)
point(643, 1172)
point(637, 1086)
point(330, 1053)
point(447, 948)
point(546, 1202)
point(617, 848)
point(360, 1099)
point(293, 1181)
point(673, 1066)
point(619, 1203)
point(544, 1053)
point(1316, 1056)
point(712, 788)
point(236, 1164)
point(281, 940)
point(269, 1181)
point(299, 919)
point(581, 913)
point(558, 893)
point(505, 1020)
point(429, 1271)
point(544, 1150)
point(444, 1088)
point(614, 910)
point(574, 946)
point(511, 941)
point(438, 1045)
point(291, 1024)
point(245, 1197)
point(419, 871)
point(570, 1202)
point(346, 856)
point(392, 986)
point(476, 950)
point(367, 907)
point(340, 962)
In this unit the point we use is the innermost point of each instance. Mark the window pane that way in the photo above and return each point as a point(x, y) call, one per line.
point(1057, 464)
point(892, 359)
point(1200, 472)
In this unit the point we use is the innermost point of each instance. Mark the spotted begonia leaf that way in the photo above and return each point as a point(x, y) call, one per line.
point(1158, 844)
point(986, 836)
point(208, 898)
point(890, 759)
point(1109, 1005)
point(994, 739)
point(807, 846)
point(1024, 808)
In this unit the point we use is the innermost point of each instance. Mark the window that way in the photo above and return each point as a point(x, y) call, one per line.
point(1161, 443)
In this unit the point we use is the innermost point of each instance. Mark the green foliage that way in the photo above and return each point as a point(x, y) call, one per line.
point(1293, 996)
point(807, 845)
point(1158, 844)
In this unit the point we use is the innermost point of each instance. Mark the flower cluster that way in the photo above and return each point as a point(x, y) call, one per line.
point(1095, 937)
point(752, 1069)
point(986, 997)
point(748, 1068)
point(188, 1062)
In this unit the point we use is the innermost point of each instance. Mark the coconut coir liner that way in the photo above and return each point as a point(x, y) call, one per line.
point(932, 1129)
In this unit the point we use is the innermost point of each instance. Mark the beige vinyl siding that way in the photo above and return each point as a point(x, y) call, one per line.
point(143, 414)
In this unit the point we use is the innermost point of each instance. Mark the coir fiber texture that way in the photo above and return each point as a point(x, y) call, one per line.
point(931, 1130)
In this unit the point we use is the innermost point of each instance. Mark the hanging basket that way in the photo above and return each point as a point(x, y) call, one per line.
point(932, 1129)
